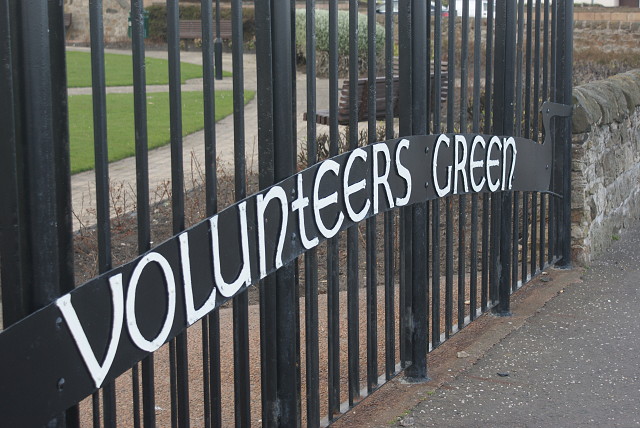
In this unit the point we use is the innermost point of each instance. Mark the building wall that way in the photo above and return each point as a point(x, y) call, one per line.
point(115, 20)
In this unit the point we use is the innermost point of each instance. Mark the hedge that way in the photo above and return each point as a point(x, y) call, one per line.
point(322, 33)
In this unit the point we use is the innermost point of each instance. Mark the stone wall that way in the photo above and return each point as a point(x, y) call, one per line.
point(606, 162)
point(115, 20)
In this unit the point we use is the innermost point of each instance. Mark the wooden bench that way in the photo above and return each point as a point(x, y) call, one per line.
point(362, 97)
point(67, 21)
point(191, 29)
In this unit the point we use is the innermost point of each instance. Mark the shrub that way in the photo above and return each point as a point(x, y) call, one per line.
point(322, 33)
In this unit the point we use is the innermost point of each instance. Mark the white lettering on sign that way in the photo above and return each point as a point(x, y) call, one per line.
point(299, 204)
point(350, 189)
point(460, 164)
point(132, 323)
point(228, 289)
point(97, 371)
point(441, 191)
point(381, 180)
point(508, 143)
point(495, 141)
point(192, 313)
point(473, 163)
point(320, 203)
point(404, 173)
point(276, 192)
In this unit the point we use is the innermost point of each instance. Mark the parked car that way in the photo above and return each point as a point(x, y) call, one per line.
point(381, 7)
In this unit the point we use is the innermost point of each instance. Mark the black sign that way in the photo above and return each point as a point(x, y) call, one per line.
point(57, 356)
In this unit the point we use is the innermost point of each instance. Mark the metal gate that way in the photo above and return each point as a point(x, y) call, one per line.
point(383, 233)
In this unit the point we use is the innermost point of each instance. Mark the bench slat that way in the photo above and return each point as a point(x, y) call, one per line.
point(192, 29)
point(323, 116)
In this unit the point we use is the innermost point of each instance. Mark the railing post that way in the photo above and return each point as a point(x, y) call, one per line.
point(563, 95)
point(503, 124)
point(276, 156)
point(405, 219)
point(36, 256)
point(419, 274)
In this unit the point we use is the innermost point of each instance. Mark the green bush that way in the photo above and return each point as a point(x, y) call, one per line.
point(322, 33)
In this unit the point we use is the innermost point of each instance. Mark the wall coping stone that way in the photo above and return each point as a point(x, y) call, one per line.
point(605, 101)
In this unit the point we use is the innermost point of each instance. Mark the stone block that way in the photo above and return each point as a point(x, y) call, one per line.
point(629, 84)
point(586, 111)
point(619, 16)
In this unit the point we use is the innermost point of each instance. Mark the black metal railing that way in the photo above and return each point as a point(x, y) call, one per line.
point(346, 316)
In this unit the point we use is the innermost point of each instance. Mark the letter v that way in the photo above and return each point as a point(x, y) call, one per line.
point(98, 372)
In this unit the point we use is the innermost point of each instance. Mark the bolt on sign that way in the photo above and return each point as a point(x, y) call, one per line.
point(99, 330)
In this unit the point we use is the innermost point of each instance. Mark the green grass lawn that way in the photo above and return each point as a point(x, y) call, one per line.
point(120, 123)
point(119, 70)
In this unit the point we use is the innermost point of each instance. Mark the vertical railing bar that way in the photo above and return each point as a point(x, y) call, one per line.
point(464, 66)
point(135, 381)
point(564, 95)
point(473, 281)
point(551, 242)
point(525, 237)
point(435, 204)
point(528, 71)
point(266, 162)
point(371, 226)
point(210, 323)
point(242, 396)
point(527, 134)
point(332, 245)
point(103, 224)
point(536, 136)
point(451, 73)
point(484, 298)
point(11, 267)
point(488, 221)
point(179, 344)
point(545, 53)
point(95, 409)
point(545, 96)
point(477, 39)
point(437, 68)
point(488, 69)
point(448, 297)
point(419, 273)
point(514, 240)
point(389, 71)
point(543, 230)
point(462, 221)
point(173, 383)
point(353, 280)
point(311, 257)
point(506, 56)
point(389, 216)
point(462, 200)
point(294, 168)
point(405, 97)
point(519, 65)
point(142, 185)
point(287, 315)
point(214, 369)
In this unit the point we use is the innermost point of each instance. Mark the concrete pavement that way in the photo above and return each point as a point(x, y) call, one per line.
point(571, 362)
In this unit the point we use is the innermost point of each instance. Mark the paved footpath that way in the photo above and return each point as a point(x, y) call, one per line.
point(575, 363)
point(122, 173)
